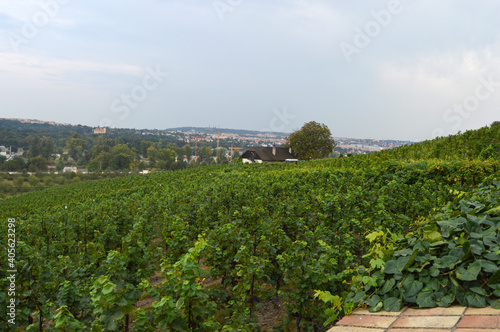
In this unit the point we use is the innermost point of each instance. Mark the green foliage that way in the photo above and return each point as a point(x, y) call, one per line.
point(16, 164)
point(37, 164)
point(65, 321)
point(229, 237)
point(111, 305)
point(60, 166)
point(185, 305)
point(312, 141)
point(451, 258)
point(339, 307)
point(40, 147)
point(205, 154)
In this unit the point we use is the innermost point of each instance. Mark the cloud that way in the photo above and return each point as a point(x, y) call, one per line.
point(51, 69)
point(447, 74)
point(263, 54)
point(425, 89)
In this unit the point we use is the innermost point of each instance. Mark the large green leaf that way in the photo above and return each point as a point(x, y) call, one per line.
point(392, 304)
point(494, 303)
point(412, 286)
point(433, 271)
point(388, 285)
point(425, 299)
point(447, 262)
point(477, 247)
point(470, 273)
point(492, 255)
point(476, 300)
point(466, 247)
point(373, 300)
point(446, 300)
point(494, 280)
point(478, 290)
point(376, 308)
point(391, 267)
point(488, 266)
point(401, 262)
point(448, 227)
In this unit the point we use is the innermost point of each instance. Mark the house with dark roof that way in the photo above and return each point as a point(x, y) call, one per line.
point(262, 154)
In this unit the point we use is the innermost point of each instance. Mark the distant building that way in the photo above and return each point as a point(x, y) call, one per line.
point(268, 154)
point(3, 151)
point(70, 169)
point(100, 131)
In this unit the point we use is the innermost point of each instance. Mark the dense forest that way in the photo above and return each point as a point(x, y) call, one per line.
point(41, 151)
point(211, 248)
point(68, 145)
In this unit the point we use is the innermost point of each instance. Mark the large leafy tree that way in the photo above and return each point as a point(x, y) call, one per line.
point(205, 154)
point(40, 146)
point(312, 141)
point(37, 164)
point(14, 165)
point(122, 157)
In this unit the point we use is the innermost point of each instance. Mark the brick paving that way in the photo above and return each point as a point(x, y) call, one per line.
point(451, 319)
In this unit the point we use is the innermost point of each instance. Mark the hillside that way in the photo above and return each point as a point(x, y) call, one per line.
point(227, 239)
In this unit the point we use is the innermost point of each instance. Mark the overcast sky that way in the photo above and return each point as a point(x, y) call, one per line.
point(408, 70)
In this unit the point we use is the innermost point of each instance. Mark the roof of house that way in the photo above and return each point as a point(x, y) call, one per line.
point(266, 154)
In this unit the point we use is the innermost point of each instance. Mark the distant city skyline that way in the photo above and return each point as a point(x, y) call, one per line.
point(230, 138)
point(221, 131)
point(382, 69)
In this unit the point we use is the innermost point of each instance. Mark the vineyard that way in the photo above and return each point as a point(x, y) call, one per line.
point(210, 246)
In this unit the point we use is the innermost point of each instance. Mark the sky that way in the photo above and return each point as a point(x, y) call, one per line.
point(404, 70)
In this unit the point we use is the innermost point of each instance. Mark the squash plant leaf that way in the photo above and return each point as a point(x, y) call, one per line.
point(446, 300)
point(388, 285)
point(412, 287)
point(470, 273)
point(425, 299)
point(392, 304)
point(476, 300)
point(391, 267)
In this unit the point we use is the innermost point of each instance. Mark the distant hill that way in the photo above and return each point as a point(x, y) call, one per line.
point(212, 130)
